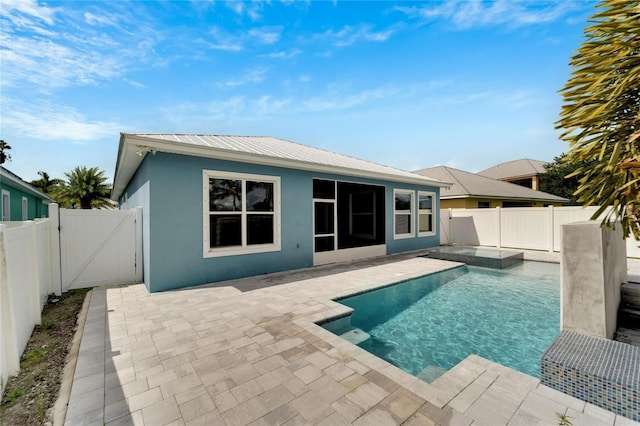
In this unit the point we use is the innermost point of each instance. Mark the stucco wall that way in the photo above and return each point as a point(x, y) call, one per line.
point(594, 266)
point(137, 195)
point(169, 187)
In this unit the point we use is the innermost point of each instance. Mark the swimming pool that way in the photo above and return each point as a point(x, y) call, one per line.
point(427, 325)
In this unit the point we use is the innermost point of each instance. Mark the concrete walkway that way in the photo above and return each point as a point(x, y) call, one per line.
point(217, 355)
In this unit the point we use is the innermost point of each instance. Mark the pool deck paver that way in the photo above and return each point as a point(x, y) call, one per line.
point(216, 355)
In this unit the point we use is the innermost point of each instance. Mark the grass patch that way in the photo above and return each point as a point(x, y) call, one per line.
point(34, 390)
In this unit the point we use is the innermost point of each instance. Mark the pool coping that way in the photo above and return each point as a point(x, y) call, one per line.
point(474, 391)
point(450, 384)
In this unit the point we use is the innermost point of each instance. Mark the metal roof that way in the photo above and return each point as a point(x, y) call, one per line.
point(515, 169)
point(466, 185)
point(251, 149)
point(24, 185)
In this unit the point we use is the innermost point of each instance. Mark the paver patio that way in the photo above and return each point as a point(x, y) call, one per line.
point(217, 355)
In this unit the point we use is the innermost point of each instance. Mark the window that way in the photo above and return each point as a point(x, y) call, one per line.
point(25, 209)
point(484, 204)
point(426, 206)
point(241, 213)
point(6, 206)
point(362, 214)
point(403, 213)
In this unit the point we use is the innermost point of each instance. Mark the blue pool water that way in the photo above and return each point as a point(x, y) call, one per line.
point(427, 325)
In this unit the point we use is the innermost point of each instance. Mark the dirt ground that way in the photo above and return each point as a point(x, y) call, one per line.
point(28, 396)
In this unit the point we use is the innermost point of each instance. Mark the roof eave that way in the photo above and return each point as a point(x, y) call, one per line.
point(133, 149)
point(495, 197)
point(28, 188)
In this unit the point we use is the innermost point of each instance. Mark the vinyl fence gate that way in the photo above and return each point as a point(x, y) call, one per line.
point(100, 247)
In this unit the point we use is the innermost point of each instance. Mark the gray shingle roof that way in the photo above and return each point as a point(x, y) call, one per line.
point(466, 185)
point(515, 169)
point(251, 149)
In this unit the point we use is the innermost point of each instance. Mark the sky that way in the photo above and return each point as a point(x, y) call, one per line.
point(467, 84)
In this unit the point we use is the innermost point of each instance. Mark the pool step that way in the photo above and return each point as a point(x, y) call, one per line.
point(629, 315)
point(629, 318)
point(630, 296)
point(430, 373)
point(355, 336)
point(628, 335)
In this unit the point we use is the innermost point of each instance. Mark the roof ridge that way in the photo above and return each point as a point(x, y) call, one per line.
point(448, 170)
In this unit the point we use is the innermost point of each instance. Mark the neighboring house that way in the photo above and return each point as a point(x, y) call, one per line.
point(221, 207)
point(19, 200)
point(472, 191)
point(524, 172)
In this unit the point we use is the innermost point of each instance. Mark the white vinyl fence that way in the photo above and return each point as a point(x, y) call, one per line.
point(101, 247)
point(26, 279)
point(533, 228)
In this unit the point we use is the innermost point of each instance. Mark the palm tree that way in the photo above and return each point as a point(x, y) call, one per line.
point(4, 155)
point(600, 118)
point(45, 183)
point(86, 187)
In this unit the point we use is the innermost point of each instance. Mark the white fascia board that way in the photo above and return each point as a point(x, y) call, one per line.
point(130, 144)
point(494, 197)
point(26, 187)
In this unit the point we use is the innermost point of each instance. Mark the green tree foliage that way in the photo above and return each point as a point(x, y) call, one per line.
point(4, 152)
point(46, 184)
point(85, 188)
point(600, 117)
point(555, 180)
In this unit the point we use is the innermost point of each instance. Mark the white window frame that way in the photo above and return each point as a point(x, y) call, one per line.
point(6, 206)
point(333, 201)
point(244, 248)
point(410, 212)
point(426, 212)
point(25, 208)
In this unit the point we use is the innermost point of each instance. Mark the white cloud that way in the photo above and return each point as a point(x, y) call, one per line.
point(29, 8)
point(49, 64)
point(211, 115)
point(222, 40)
point(471, 13)
point(284, 54)
point(340, 101)
point(252, 9)
point(266, 35)
point(267, 105)
point(255, 75)
point(43, 53)
point(46, 121)
point(349, 35)
point(102, 19)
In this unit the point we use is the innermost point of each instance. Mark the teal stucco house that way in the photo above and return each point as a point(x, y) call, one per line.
point(19, 200)
point(222, 207)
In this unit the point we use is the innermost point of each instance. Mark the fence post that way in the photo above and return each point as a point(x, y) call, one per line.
point(54, 242)
point(451, 241)
point(34, 284)
point(551, 229)
point(499, 226)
